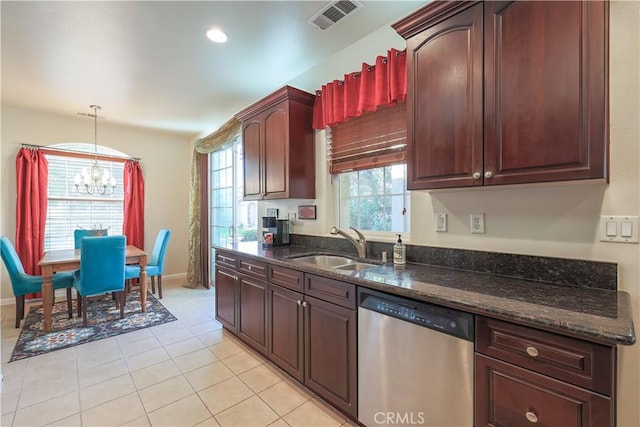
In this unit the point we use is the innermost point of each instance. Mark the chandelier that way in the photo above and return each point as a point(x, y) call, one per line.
point(93, 180)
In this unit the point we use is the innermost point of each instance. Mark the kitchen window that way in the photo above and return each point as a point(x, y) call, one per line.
point(68, 210)
point(368, 155)
point(374, 199)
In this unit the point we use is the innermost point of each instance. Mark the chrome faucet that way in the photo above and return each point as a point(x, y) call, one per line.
point(360, 244)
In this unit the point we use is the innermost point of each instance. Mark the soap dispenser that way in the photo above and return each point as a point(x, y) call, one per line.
point(399, 252)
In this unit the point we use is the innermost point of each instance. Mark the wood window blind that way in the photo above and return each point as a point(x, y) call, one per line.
point(373, 140)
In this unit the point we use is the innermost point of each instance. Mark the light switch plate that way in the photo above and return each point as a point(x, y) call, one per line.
point(441, 222)
point(619, 229)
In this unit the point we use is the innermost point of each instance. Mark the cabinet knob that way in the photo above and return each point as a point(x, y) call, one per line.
point(299, 302)
point(488, 174)
point(532, 351)
point(304, 304)
point(249, 267)
point(531, 417)
point(476, 175)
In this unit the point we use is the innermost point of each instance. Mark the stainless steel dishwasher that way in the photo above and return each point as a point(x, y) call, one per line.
point(415, 363)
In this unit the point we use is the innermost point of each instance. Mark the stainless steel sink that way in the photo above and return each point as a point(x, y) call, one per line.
point(329, 261)
point(356, 266)
point(334, 262)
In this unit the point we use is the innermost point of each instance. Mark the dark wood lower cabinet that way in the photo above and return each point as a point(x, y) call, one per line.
point(252, 326)
point(286, 323)
point(227, 299)
point(510, 396)
point(330, 353)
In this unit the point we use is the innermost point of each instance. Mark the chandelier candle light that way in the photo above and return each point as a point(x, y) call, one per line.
point(94, 181)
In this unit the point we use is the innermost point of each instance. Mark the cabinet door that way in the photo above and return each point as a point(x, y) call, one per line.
point(252, 153)
point(252, 327)
point(286, 320)
point(227, 299)
point(444, 103)
point(330, 353)
point(546, 91)
point(509, 396)
point(276, 153)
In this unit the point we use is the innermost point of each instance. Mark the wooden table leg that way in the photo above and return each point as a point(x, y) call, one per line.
point(47, 297)
point(143, 283)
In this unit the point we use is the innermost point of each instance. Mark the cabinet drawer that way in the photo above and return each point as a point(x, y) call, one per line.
point(226, 259)
point(330, 290)
point(509, 396)
point(253, 268)
point(286, 277)
point(578, 362)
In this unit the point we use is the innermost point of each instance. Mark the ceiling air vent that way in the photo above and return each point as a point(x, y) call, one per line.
point(333, 12)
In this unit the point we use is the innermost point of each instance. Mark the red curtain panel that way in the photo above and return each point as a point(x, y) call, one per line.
point(133, 226)
point(384, 83)
point(31, 208)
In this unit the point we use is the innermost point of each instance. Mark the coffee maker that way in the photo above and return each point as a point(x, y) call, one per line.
point(275, 232)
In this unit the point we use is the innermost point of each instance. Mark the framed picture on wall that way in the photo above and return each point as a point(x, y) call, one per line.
point(307, 212)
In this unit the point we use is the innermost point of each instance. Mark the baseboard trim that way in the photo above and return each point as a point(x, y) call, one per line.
point(62, 293)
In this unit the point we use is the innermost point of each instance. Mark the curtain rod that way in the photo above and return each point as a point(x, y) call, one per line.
point(66, 150)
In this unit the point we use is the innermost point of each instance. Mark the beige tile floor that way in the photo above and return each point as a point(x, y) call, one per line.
point(184, 373)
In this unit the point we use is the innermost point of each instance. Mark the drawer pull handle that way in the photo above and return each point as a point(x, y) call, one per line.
point(532, 351)
point(531, 417)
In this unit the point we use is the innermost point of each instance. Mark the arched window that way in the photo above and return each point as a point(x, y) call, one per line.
point(68, 209)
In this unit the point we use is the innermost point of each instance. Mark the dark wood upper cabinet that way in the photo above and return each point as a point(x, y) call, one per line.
point(277, 138)
point(506, 92)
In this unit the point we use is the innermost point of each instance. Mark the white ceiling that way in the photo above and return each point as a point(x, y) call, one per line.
point(150, 64)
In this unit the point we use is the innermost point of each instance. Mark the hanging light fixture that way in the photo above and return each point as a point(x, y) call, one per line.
point(93, 180)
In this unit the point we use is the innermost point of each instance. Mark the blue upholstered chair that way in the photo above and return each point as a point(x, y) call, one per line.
point(101, 270)
point(155, 265)
point(24, 284)
point(80, 233)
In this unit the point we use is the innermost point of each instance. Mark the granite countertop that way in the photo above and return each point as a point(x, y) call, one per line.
point(598, 315)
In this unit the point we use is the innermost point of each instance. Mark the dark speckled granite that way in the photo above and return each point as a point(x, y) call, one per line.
point(560, 271)
point(597, 315)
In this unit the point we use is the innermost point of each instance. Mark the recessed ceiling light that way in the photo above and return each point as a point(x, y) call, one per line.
point(217, 35)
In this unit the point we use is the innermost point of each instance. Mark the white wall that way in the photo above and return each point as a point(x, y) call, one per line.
point(557, 219)
point(165, 159)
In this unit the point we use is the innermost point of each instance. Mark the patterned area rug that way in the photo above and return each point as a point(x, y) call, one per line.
point(103, 322)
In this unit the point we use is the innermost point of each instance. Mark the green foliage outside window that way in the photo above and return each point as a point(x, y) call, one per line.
point(374, 199)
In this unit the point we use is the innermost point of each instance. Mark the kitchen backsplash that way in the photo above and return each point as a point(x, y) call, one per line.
point(563, 271)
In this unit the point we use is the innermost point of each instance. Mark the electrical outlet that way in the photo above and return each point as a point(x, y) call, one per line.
point(477, 223)
point(291, 216)
point(441, 222)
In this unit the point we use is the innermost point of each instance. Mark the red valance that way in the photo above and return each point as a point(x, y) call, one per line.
point(384, 83)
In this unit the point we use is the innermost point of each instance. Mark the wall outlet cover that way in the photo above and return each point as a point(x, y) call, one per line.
point(477, 223)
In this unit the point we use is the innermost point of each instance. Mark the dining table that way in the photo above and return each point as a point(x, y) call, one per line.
point(69, 259)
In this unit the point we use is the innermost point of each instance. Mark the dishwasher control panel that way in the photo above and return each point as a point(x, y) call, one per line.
point(446, 320)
